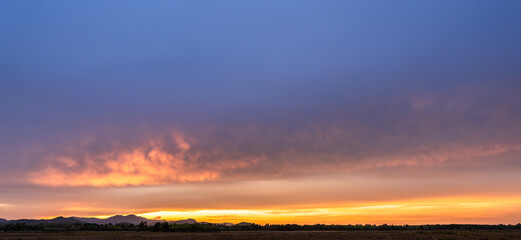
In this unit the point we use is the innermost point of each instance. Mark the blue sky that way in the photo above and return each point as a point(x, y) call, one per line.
point(244, 90)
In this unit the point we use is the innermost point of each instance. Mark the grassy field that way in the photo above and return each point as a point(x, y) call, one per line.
point(299, 235)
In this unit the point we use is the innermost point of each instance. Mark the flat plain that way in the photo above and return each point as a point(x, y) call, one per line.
point(264, 235)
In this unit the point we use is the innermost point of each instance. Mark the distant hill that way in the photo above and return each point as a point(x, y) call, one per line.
point(244, 224)
point(187, 221)
point(90, 220)
point(132, 219)
point(63, 220)
point(129, 219)
point(58, 220)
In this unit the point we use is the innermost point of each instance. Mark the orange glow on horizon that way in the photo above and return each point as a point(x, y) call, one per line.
point(473, 210)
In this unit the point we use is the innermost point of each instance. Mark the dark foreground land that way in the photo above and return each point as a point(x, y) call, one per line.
point(280, 235)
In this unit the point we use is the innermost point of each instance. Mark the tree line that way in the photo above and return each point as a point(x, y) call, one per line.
point(167, 227)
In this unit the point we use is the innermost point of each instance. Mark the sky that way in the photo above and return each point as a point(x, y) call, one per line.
point(344, 112)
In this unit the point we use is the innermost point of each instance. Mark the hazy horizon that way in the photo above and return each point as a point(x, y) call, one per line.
point(334, 112)
point(201, 220)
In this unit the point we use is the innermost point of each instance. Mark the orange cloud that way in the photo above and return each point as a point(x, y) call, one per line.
point(178, 158)
point(147, 165)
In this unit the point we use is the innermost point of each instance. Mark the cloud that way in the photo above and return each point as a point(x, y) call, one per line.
point(246, 154)
point(461, 128)
point(414, 185)
point(178, 158)
point(151, 164)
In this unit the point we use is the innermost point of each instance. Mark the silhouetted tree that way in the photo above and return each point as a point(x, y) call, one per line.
point(142, 226)
point(165, 227)
point(157, 226)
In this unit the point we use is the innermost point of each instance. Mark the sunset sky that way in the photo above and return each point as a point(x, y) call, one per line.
point(345, 112)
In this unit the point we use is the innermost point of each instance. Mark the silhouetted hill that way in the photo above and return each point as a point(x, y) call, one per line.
point(244, 224)
point(58, 220)
point(117, 219)
point(132, 219)
point(90, 220)
point(63, 220)
point(187, 221)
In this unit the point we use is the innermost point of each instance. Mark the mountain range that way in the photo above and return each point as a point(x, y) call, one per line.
point(130, 219)
point(58, 220)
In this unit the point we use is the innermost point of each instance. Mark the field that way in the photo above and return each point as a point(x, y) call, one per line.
point(250, 235)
